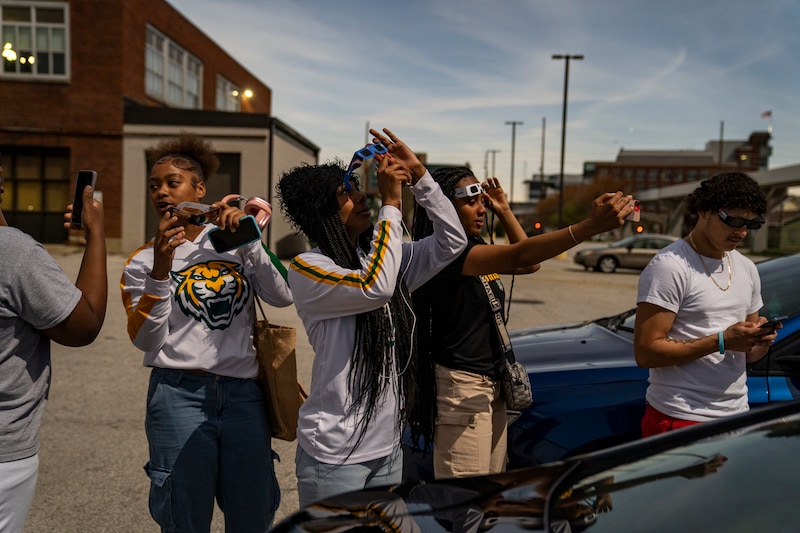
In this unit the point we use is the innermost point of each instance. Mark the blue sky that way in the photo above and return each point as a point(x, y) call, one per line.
point(446, 75)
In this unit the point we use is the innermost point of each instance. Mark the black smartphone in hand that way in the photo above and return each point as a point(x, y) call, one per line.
point(224, 240)
point(773, 322)
point(85, 177)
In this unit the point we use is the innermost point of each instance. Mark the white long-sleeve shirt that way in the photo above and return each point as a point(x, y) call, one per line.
point(328, 297)
point(201, 317)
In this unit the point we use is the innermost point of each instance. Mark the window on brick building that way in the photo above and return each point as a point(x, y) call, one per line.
point(228, 95)
point(37, 190)
point(172, 75)
point(35, 37)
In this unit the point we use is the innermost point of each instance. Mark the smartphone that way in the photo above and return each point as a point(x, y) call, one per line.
point(636, 213)
point(225, 240)
point(773, 322)
point(85, 177)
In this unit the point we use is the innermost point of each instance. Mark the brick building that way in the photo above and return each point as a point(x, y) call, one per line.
point(90, 84)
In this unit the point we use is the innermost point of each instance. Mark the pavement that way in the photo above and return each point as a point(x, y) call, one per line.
point(93, 445)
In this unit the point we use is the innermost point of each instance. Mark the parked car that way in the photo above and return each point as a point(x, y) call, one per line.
point(733, 474)
point(589, 394)
point(631, 252)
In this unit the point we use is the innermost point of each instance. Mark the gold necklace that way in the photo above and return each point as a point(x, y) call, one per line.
point(730, 270)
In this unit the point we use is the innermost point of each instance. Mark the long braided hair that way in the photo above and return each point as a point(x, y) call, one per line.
point(422, 421)
point(384, 342)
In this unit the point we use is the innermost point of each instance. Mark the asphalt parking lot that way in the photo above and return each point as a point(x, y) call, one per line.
point(93, 443)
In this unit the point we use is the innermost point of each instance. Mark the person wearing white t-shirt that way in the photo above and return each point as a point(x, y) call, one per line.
point(697, 322)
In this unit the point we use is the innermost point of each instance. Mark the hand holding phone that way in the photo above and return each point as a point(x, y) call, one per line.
point(85, 177)
point(636, 213)
point(224, 239)
point(772, 323)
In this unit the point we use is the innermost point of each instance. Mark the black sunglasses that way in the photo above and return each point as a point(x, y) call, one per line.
point(368, 152)
point(738, 222)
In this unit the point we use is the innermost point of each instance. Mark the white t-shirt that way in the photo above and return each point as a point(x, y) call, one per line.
point(713, 386)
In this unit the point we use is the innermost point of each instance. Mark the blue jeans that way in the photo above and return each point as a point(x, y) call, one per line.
point(317, 480)
point(209, 437)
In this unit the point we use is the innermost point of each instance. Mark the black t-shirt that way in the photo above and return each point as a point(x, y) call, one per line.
point(464, 335)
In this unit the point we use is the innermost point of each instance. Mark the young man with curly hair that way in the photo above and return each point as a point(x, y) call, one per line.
point(697, 322)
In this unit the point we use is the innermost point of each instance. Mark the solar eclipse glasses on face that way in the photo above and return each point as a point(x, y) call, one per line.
point(473, 189)
point(738, 222)
point(197, 214)
point(368, 152)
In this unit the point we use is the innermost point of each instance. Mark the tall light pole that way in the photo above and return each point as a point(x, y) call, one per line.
point(541, 164)
point(566, 57)
point(493, 152)
point(513, 124)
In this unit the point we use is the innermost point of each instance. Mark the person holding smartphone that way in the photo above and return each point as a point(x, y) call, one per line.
point(39, 304)
point(191, 310)
point(697, 323)
point(461, 407)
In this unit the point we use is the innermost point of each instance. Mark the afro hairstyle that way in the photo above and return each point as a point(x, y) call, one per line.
point(188, 151)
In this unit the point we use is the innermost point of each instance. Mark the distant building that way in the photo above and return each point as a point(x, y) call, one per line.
point(90, 84)
point(651, 169)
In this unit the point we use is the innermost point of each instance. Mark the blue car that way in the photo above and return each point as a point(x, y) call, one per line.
point(589, 394)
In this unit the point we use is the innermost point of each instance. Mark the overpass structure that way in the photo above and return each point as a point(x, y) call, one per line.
point(672, 201)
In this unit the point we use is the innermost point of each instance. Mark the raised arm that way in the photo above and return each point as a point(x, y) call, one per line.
point(85, 321)
point(608, 212)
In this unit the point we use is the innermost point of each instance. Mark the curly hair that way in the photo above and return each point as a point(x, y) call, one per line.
point(384, 342)
point(187, 151)
point(732, 190)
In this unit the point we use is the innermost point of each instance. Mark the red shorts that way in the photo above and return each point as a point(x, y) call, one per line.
point(655, 422)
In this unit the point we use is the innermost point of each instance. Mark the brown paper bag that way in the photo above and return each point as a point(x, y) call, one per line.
point(283, 394)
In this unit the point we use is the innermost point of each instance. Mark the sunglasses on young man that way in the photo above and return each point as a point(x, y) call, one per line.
point(738, 222)
point(197, 214)
point(368, 152)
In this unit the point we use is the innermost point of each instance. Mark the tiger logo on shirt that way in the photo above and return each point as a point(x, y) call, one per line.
point(213, 292)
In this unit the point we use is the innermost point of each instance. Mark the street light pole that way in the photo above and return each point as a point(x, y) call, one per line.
point(541, 164)
point(493, 152)
point(566, 57)
point(513, 124)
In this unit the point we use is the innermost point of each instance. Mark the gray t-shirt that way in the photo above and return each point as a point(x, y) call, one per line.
point(35, 294)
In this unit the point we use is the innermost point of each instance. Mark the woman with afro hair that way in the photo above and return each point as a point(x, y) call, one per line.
point(352, 293)
point(191, 310)
point(459, 337)
point(697, 323)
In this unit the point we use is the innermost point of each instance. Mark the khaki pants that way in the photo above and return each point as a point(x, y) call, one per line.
point(471, 428)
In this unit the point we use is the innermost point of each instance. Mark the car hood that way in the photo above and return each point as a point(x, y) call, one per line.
point(602, 343)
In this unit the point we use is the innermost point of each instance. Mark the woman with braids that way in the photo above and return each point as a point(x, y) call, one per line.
point(352, 293)
point(190, 309)
point(458, 334)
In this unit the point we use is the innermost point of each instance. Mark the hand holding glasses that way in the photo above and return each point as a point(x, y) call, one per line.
point(196, 214)
point(364, 154)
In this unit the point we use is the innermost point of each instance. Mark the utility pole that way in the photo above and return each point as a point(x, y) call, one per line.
point(566, 57)
point(513, 124)
point(541, 164)
point(493, 152)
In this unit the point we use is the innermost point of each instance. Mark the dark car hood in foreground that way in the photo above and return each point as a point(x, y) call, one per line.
point(738, 473)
